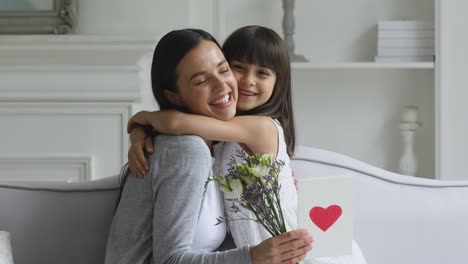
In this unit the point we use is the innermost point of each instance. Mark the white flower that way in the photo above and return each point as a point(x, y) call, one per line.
point(224, 184)
point(248, 179)
point(237, 188)
point(260, 171)
point(232, 188)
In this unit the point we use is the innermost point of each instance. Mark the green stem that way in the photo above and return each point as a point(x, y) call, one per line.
point(273, 207)
point(261, 222)
point(283, 224)
point(280, 209)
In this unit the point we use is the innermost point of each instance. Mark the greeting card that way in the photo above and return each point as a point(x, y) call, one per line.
point(325, 208)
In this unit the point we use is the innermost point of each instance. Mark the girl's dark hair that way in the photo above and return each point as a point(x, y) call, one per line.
point(169, 51)
point(263, 46)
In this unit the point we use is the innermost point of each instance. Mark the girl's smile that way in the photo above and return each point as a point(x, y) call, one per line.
point(246, 93)
point(255, 84)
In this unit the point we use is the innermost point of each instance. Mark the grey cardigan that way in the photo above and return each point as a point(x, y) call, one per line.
point(157, 215)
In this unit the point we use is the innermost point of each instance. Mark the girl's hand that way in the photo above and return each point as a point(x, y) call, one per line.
point(136, 158)
point(289, 247)
point(167, 121)
point(141, 118)
point(295, 179)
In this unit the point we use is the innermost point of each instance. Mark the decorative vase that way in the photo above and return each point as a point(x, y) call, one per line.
point(288, 30)
point(408, 161)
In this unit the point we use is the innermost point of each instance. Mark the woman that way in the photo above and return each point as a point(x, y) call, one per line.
point(159, 218)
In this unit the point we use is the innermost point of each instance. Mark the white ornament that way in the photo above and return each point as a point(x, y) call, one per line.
point(408, 161)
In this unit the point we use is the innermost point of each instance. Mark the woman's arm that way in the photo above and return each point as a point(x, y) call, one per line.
point(179, 174)
point(257, 132)
point(156, 216)
point(182, 169)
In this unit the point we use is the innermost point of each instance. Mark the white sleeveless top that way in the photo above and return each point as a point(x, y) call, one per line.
point(250, 232)
point(209, 236)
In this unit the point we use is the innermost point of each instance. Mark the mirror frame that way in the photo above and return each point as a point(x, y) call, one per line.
point(61, 20)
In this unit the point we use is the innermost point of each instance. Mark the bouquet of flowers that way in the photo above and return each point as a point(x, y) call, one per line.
point(253, 184)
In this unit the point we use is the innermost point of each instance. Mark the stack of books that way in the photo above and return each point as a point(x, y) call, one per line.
point(405, 41)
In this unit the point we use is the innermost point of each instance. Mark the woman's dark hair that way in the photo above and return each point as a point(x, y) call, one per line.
point(263, 46)
point(169, 51)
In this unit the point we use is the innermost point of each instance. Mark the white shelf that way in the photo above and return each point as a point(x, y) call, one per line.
point(361, 65)
point(68, 52)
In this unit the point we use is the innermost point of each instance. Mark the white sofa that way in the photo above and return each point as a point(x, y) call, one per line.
point(398, 219)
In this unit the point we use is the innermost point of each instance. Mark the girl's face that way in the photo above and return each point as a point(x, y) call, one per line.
point(206, 85)
point(255, 84)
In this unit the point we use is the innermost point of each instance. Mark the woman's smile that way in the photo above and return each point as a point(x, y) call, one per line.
point(207, 85)
point(223, 101)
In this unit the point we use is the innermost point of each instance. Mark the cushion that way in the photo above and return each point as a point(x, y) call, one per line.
point(5, 248)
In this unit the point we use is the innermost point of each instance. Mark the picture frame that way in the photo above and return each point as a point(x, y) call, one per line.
point(38, 17)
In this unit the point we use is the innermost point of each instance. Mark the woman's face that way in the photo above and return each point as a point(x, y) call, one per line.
point(206, 85)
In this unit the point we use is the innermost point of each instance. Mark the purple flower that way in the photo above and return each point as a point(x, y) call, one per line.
point(252, 183)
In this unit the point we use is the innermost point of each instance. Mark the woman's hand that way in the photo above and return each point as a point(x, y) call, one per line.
point(289, 247)
point(136, 157)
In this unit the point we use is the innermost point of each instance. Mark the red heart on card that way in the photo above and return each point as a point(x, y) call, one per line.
point(325, 218)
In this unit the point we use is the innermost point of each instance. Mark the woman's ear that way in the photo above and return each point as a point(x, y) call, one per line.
point(172, 97)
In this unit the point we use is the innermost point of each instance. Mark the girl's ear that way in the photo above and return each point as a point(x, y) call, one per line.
point(172, 97)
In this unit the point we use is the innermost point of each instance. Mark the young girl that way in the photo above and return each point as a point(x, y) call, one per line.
point(260, 62)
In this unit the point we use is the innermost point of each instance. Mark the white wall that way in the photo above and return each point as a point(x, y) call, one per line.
point(64, 105)
point(326, 31)
point(65, 100)
point(453, 90)
point(355, 112)
point(364, 127)
point(147, 17)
